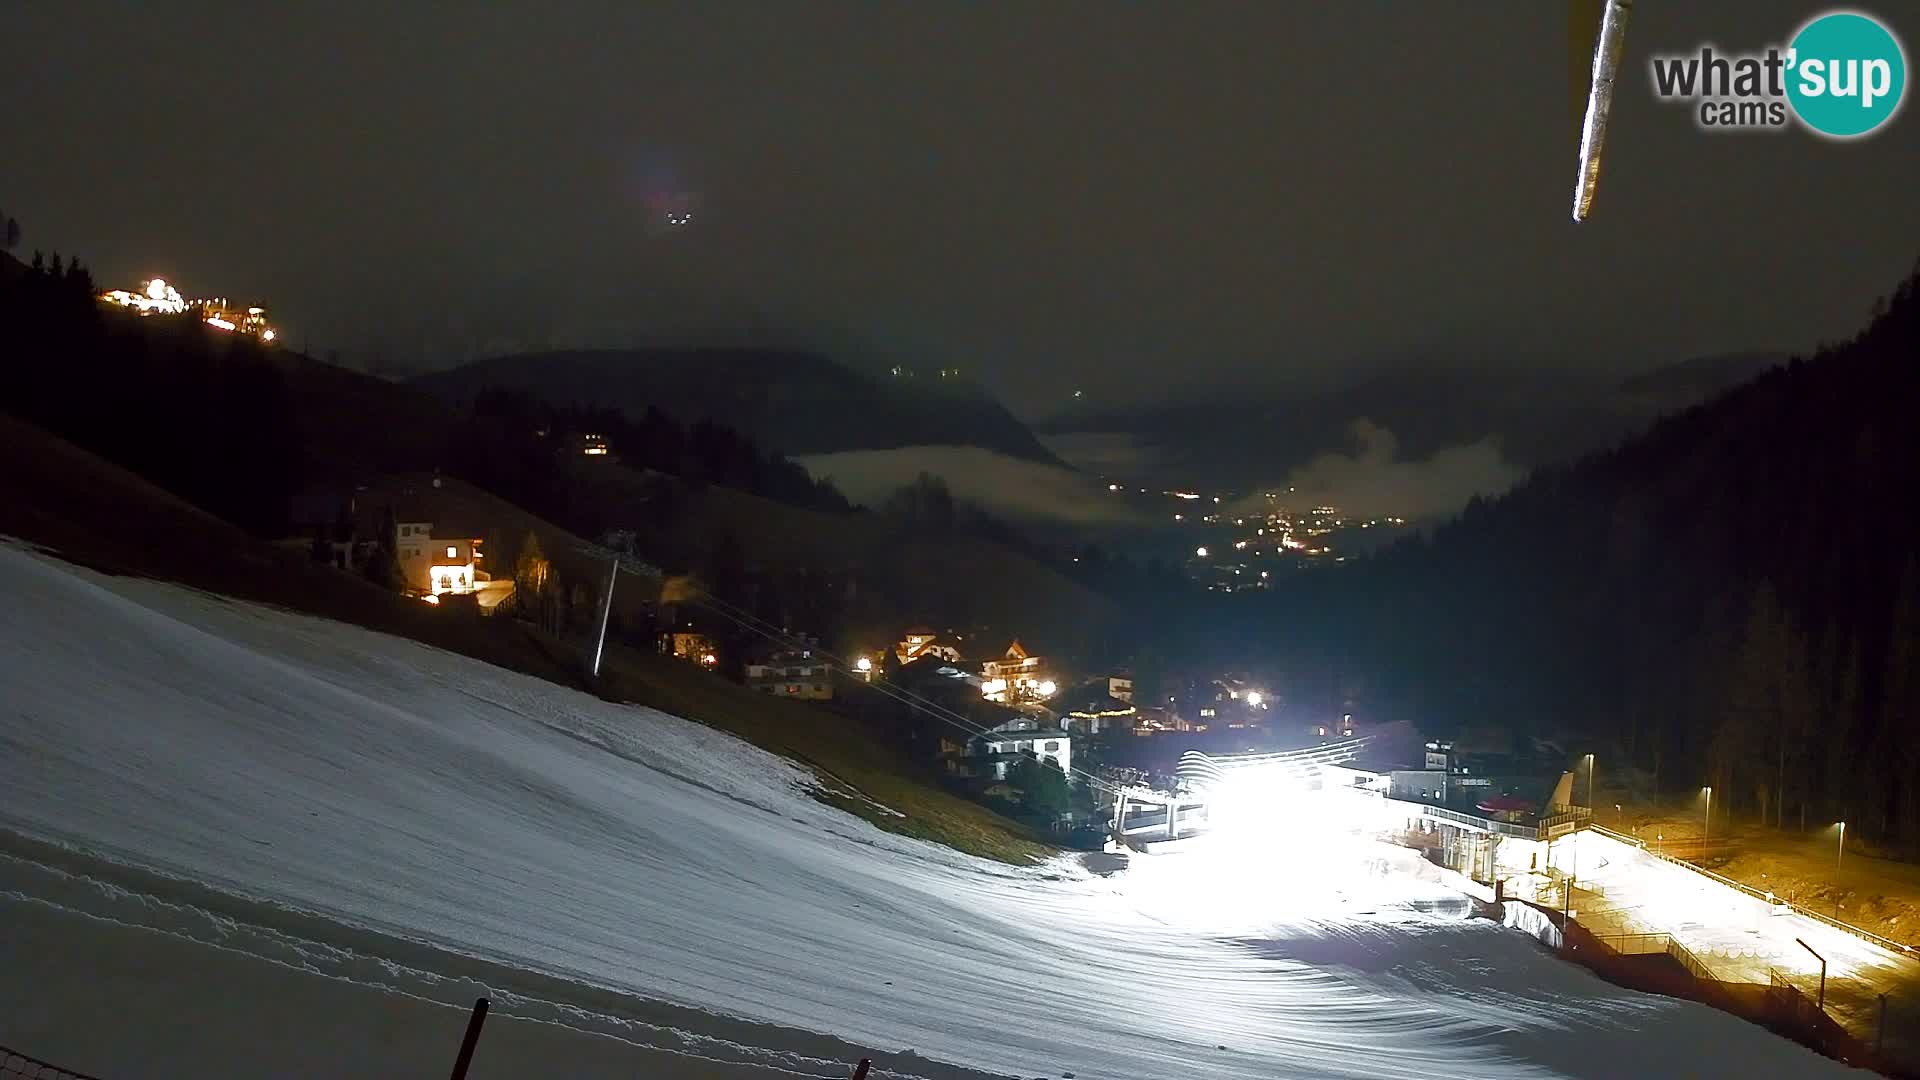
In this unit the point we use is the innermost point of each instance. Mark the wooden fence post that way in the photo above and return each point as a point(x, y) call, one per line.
point(465, 1059)
point(860, 1070)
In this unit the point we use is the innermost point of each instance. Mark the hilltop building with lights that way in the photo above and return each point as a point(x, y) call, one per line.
point(158, 297)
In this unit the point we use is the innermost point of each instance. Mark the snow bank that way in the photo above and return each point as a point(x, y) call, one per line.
point(412, 824)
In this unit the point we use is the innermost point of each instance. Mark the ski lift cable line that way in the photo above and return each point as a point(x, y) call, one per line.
point(751, 622)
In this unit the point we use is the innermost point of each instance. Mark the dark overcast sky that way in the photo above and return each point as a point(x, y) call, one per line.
point(1143, 199)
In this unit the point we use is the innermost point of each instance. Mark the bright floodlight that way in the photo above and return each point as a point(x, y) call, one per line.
point(1593, 133)
point(157, 289)
point(1047, 688)
point(1201, 552)
point(1253, 697)
point(863, 664)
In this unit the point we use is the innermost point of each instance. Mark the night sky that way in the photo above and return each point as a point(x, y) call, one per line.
point(1149, 201)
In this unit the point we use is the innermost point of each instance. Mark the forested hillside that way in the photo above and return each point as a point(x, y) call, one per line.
point(1733, 596)
point(793, 402)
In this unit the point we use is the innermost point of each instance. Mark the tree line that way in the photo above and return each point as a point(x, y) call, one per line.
point(197, 411)
point(1731, 598)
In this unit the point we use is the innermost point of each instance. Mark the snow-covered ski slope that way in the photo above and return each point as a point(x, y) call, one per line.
point(361, 789)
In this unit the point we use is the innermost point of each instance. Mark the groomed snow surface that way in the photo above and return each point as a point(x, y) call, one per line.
point(241, 842)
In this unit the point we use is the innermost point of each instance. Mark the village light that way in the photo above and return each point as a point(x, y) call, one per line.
point(1253, 697)
point(863, 664)
point(1200, 552)
point(1047, 688)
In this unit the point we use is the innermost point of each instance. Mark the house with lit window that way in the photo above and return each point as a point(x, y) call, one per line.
point(1018, 677)
point(692, 647)
point(796, 671)
point(996, 751)
point(436, 559)
point(922, 641)
point(1094, 708)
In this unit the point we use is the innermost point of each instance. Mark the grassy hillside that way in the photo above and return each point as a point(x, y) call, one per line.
point(94, 513)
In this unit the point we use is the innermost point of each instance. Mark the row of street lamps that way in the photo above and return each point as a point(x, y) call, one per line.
point(1706, 820)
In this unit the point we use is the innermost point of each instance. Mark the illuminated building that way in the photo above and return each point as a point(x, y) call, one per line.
point(435, 561)
point(691, 647)
point(216, 311)
point(154, 297)
point(1004, 746)
point(158, 297)
point(923, 641)
point(1017, 677)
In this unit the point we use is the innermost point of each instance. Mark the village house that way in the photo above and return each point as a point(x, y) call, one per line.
point(996, 751)
point(922, 641)
point(1094, 708)
point(797, 671)
point(1018, 677)
point(692, 647)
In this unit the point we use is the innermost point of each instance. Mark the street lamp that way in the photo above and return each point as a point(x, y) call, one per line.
point(1590, 771)
point(1840, 855)
point(1706, 820)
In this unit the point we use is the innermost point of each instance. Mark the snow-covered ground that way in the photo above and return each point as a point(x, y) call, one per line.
point(227, 818)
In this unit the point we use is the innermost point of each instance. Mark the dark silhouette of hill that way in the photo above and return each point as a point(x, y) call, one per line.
point(792, 402)
point(1695, 380)
point(1733, 596)
point(1537, 417)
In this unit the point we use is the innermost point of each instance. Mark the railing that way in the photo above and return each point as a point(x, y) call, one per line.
point(1474, 821)
point(1896, 947)
point(1571, 818)
point(1657, 944)
point(16, 1064)
point(13, 1064)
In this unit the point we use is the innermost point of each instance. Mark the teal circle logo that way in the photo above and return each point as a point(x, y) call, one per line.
point(1847, 74)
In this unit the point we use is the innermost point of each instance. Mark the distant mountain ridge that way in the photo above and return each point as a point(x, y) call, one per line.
point(792, 401)
point(1539, 417)
point(1701, 377)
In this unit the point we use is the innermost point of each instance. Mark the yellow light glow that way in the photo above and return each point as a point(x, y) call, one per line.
point(157, 289)
point(219, 322)
point(1047, 688)
point(267, 335)
point(863, 664)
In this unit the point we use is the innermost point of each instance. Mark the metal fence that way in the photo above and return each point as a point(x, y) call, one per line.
point(1655, 944)
point(1765, 897)
point(14, 1064)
